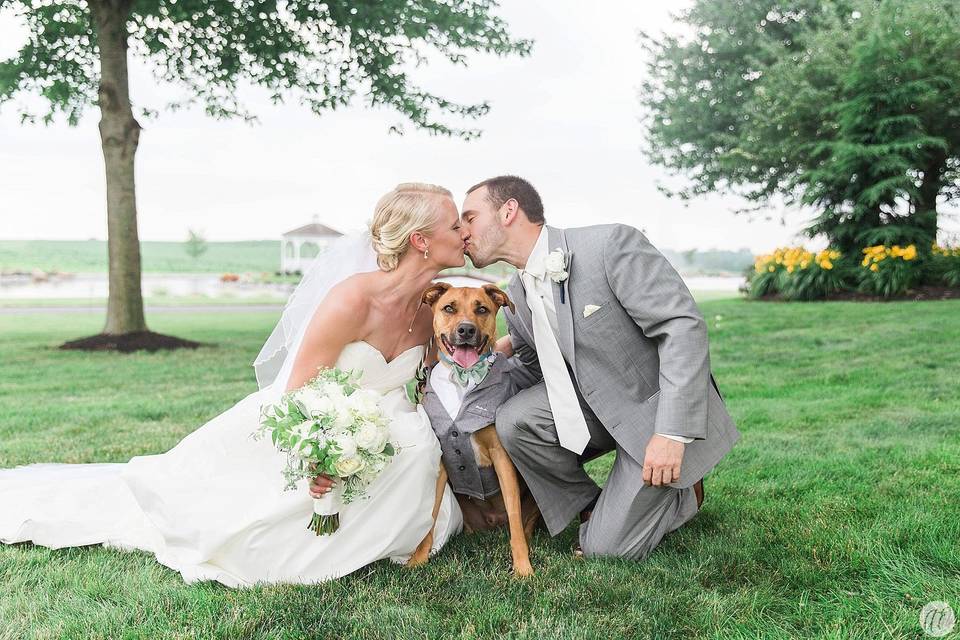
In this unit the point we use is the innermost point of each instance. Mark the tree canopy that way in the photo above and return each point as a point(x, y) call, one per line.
point(851, 107)
point(323, 54)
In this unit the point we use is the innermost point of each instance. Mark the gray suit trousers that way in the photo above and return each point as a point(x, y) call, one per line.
point(629, 519)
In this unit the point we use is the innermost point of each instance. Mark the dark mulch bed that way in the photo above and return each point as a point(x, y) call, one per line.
point(129, 342)
point(926, 292)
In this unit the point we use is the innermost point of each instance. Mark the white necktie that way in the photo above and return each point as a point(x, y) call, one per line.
point(567, 415)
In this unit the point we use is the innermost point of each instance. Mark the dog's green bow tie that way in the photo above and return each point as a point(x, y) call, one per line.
point(461, 377)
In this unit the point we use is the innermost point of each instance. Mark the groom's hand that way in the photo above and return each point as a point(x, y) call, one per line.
point(505, 346)
point(662, 462)
point(320, 485)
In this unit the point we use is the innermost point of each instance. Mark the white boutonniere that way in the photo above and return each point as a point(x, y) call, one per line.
point(556, 268)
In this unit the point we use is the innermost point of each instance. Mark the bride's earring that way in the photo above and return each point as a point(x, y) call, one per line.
point(426, 252)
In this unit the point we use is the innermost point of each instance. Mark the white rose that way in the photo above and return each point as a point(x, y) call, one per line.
point(371, 437)
point(346, 445)
point(366, 435)
point(305, 448)
point(312, 402)
point(555, 262)
point(332, 390)
point(349, 466)
point(366, 403)
point(343, 415)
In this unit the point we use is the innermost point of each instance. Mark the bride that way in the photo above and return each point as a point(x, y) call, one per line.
point(213, 507)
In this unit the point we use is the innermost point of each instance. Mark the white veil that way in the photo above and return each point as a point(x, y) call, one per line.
point(343, 258)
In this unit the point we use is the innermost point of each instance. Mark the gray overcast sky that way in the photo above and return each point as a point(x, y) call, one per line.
point(565, 117)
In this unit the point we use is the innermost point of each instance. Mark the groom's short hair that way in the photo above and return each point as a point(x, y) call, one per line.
point(502, 188)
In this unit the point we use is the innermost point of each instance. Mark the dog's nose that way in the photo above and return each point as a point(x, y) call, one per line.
point(466, 331)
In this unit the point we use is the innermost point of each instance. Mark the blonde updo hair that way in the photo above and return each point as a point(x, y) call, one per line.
point(409, 207)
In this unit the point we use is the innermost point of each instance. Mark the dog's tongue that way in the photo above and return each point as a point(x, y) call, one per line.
point(466, 357)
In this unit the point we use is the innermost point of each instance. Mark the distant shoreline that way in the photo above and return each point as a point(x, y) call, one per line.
point(81, 257)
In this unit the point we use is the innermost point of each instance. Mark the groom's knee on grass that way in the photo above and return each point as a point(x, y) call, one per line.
point(608, 547)
point(509, 418)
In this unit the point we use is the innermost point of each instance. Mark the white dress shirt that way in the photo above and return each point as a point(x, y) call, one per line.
point(449, 392)
point(545, 289)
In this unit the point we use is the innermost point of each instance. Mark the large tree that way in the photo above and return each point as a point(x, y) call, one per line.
point(849, 107)
point(324, 54)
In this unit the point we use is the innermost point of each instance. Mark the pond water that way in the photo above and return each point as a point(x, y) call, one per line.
point(154, 285)
point(158, 285)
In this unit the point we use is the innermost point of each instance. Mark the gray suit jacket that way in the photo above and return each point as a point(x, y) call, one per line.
point(641, 361)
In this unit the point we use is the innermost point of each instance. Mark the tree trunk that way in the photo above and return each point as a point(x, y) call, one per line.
point(119, 135)
point(925, 211)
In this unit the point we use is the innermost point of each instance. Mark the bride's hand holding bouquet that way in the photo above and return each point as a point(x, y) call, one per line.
point(330, 426)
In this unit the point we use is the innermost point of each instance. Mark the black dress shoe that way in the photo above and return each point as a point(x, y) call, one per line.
point(698, 492)
point(588, 510)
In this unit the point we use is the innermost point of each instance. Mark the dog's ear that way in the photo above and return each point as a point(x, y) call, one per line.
point(433, 293)
point(499, 296)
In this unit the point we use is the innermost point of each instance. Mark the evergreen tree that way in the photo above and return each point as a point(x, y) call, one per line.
point(852, 107)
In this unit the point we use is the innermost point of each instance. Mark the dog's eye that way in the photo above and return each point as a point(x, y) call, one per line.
point(448, 309)
point(482, 310)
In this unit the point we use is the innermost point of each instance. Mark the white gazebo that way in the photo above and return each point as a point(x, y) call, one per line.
point(299, 246)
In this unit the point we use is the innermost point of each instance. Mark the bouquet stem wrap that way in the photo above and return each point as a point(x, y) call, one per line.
point(326, 511)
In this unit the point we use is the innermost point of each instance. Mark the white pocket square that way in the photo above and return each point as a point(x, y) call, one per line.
point(590, 308)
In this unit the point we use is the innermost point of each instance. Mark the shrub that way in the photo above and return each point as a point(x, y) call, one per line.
point(798, 274)
point(886, 270)
point(814, 279)
point(945, 264)
point(765, 278)
point(891, 234)
point(889, 271)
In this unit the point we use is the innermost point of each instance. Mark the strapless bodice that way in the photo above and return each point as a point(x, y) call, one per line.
point(378, 374)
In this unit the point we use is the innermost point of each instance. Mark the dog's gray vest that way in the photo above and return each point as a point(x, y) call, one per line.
point(479, 409)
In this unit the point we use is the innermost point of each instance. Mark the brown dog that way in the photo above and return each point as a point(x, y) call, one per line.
point(465, 327)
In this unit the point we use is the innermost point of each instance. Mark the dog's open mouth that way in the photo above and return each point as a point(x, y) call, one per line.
point(465, 355)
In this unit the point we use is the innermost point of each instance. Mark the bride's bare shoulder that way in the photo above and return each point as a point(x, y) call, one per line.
point(349, 298)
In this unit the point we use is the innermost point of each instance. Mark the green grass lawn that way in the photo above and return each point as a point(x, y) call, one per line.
point(168, 257)
point(179, 301)
point(150, 301)
point(256, 256)
point(835, 516)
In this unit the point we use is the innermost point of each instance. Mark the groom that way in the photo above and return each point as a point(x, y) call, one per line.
point(622, 351)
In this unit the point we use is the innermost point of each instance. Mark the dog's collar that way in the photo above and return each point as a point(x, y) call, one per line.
point(460, 376)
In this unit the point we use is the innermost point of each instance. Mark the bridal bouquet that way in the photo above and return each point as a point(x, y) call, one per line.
point(330, 425)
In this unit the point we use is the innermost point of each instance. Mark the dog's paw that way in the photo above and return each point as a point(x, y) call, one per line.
point(522, 570)
point(417, 559)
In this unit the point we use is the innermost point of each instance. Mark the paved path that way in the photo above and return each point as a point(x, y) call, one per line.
point(458, 280)
point(192, 308)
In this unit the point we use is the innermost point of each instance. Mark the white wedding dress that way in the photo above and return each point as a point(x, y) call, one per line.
point(214, 508)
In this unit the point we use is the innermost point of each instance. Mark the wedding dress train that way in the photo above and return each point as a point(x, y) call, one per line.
point(214, 508)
